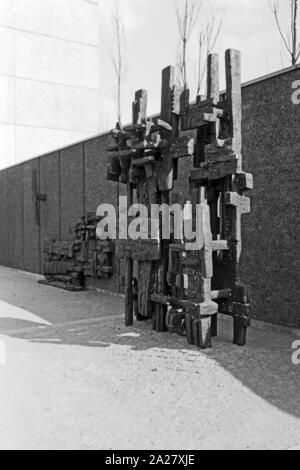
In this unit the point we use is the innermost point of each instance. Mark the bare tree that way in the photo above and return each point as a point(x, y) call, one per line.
point(118, 57)
point(187, 12)
point(207, 41)
point(290, 39)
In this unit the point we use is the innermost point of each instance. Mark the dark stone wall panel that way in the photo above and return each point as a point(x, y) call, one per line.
point(271, 151)
point(31, 220)
point(50, 209)
point(71, 189)
point(4, 228)
point(15, 217)
point(97, 189)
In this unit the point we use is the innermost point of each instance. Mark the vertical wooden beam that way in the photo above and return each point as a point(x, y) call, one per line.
point(171, 96)
point(234, 100)
point(167, 93)
point(139, 113)
point(129, 291)
point(213, 89)
point(170, 110)
point(129, 307)
point(139, 107)
point(236, 204)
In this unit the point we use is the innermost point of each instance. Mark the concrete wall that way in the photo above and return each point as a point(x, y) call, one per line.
point(49, 75)
point(74, 180)
point(271, 136)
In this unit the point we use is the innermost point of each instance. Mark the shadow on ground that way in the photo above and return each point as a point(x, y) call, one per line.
point(264, 365)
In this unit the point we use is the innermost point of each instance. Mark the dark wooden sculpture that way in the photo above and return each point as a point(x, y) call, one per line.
point(67, 265)
point(183, 290)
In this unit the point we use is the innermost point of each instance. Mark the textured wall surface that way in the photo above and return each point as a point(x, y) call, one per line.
point(97, 189)
point(15, 217)
point(71, 189)
point(74, 181)
point(31, 228)
point(4, 228)
point(50, 209)
point(271, 150)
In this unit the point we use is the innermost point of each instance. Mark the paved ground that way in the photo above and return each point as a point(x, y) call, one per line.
point(76, 378)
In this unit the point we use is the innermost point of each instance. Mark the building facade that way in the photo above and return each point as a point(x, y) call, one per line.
point(49, 75)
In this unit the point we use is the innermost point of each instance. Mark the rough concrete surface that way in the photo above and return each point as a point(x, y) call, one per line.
point(87, 382)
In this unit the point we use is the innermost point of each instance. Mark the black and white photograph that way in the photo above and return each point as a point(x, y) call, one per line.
point(149, 228)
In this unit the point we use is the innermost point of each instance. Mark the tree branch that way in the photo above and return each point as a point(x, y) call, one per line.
point(117, 58)
point(290, 40)
point(187, 17)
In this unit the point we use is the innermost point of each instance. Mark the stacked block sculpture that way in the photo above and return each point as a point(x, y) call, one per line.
point(68, 264)
point(180, 289)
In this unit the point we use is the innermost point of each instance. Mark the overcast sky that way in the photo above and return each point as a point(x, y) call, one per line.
point(152, 44)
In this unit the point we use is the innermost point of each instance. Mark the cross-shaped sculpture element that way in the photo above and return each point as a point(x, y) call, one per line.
point(184, 290)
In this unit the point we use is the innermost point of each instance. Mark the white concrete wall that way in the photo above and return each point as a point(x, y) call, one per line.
point(49, 75)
